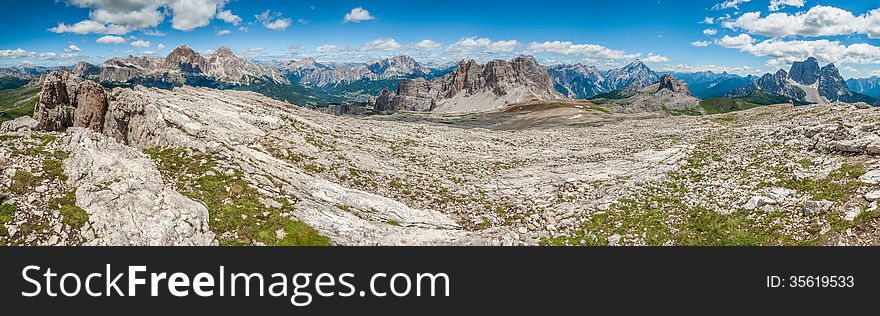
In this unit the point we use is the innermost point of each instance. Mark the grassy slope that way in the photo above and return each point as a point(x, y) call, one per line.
point(18, 102)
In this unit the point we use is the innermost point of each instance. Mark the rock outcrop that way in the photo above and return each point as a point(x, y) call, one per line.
point(667, 95)
point(69, 101)
point(474, 87)
point(127, 202)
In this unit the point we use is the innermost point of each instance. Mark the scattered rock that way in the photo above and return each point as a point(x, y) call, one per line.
point(815, 207)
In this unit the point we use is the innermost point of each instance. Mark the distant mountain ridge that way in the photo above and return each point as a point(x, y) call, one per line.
point(579, 81)
point(473, 87)
point(805, 82)
point(182, 66)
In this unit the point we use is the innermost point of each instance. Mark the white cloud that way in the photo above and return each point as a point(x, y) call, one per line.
point(468, 44)
point(253, 51)
point(585, 50)
point(708, 20)
point(141, 44)
point(156, 33)
point(132, 14)
point(331, 48)
point(739, 41)
point(191, 14)
point(818, 21)
point(710, 32)
point(729, 4)
point(88, 27)
point(386, 44)
point(426, 46)
point(745, 70)
point(358, 15)
point(110, 39)
point(15, 53)
point(223, 32)
point(228, 17)
point(502, 46)
point(273, 20)
point(151, 53)
point(118, 17)
point(776, 5)
point(783, 52)
point(655, 59)
point(700, 43)
point(160, 46)
point(72, 48)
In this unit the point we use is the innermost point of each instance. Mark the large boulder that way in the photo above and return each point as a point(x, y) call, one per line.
point(69, 101)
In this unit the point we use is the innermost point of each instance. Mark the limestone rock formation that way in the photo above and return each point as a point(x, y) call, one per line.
point(69, 101)
point(667, 95)
point(124, 195)
point(182, 66)
point(473, 87)
point(805, 82)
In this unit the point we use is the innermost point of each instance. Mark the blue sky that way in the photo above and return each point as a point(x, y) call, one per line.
point(744, 36)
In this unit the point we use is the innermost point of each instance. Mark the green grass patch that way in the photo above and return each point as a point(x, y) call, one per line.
point(71, 214)
point(236, 214)
point(23, 182)
point(836, 187)
point(7, 211)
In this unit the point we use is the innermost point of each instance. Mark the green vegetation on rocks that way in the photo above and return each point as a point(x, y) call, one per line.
point(236, 212)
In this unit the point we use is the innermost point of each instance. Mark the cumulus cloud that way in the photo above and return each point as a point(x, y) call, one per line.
point(228, 17)
point(15, 53)
point(738, 41)
point(72, 49)
point(710, 32)
point(160, 46)
point(89, 27)
point(253, 51)
point(274, 20)
point(426, 46)
point(118, 17)
point(358, 15)
point(110, 39)
point(585, 50)
point(469, 44)
point(191, 14)
point(700, 43)
point(818, 21)
point(708, 20)
point(223, 32)
point(729, 4)
point(156, 33)
point(745, 70)
point(502, 46)
point(783, 52)
point(329, 48)
point(141, 44)
point(386, 44)
point(776, 5)
point(655, 59)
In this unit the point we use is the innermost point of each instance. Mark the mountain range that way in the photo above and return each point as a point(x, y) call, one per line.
point(473, 87)
point(805, 82)
point(312, 83)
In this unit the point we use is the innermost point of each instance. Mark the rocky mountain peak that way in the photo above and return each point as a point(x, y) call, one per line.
point(668, 82)
point(805, 72)
point(186, 60)
point(223, 51)
point(474, 87)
